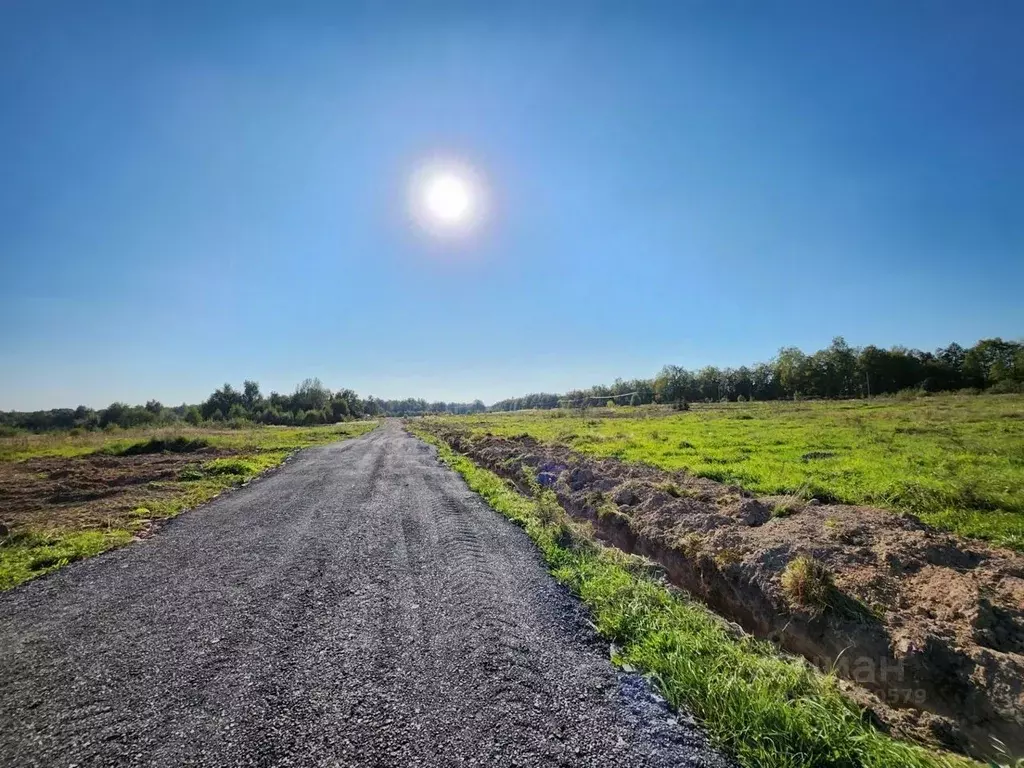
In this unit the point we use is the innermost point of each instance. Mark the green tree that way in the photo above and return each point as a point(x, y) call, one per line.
point(221, 400)
point(339, 408)
point(990, 361)
point(251, 397)
point(311, 394)
point(709, 383)
point(792, 371)
point(671, 385)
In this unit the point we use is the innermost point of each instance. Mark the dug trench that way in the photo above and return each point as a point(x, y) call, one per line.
point(924, 630)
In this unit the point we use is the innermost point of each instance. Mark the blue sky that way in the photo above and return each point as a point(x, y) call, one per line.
point(195, 193)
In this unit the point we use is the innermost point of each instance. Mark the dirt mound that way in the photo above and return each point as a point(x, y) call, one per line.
point(926, 629)
point(179, 444)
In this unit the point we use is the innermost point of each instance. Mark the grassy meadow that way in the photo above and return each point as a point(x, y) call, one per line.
point(957, 461)
point(51, 533)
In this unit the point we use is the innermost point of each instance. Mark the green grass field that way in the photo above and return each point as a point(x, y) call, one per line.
point(955, 461)
point(66, 533)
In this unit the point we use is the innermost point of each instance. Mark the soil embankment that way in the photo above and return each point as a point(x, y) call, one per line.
point(924, 628)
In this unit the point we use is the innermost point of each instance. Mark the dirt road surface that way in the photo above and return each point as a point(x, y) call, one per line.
point(358, 607)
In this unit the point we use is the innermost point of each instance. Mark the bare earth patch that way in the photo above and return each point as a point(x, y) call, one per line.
point(925, 629)
point(92, 491)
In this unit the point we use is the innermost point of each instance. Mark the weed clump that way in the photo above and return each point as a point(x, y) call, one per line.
point(566, 533)
point(808, 584)
point(229, 467)
point(784, 509)
point(549, 511)
point(574, 537)
point(692, 544)
point(671, 489)
point(727, 557)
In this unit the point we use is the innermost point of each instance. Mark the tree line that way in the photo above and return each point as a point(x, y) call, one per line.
point(838, 371)
point(311, 403)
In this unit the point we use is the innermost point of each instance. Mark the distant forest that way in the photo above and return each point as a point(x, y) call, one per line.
point(838, 371)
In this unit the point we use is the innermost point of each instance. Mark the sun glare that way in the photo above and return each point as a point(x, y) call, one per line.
point(447, 199)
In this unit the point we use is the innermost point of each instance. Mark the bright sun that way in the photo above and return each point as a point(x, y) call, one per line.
point(448, 199)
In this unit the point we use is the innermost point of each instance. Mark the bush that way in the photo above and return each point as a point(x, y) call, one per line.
point(1006, 387)
point(237, 412)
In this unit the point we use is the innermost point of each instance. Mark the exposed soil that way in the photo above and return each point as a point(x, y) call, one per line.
point(89, 491)
point(925, 629)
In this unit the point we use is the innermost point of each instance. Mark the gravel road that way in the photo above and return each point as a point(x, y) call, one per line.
point(358, 607)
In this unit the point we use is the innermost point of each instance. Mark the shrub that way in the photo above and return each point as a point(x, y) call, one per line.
point(237, 412)
point(1006, 387)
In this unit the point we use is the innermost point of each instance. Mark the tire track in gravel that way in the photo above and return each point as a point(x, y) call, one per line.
point(359, 607)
